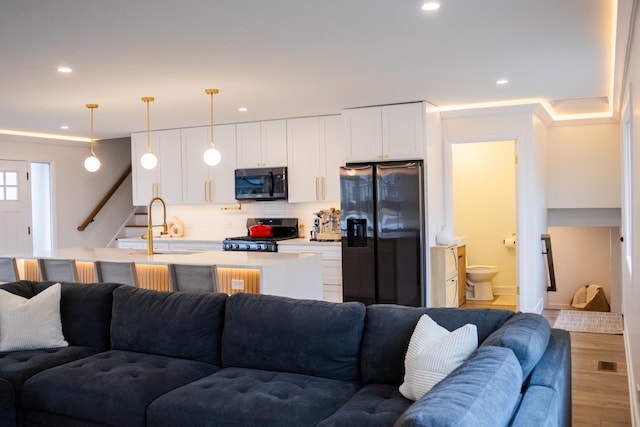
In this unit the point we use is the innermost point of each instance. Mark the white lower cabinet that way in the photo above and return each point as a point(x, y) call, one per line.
point(331, 264)
point(166, 244)
point(444, 276)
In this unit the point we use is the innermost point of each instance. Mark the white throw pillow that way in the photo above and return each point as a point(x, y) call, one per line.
point(434, 353)
point(31, 323)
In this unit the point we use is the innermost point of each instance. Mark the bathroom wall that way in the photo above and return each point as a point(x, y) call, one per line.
point(484, 205)
point(583, 256)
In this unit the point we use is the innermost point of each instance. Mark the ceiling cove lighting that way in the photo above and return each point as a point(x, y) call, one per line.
point(148, 160)
point(92, 163)
point(212, 156)
point(430, 6)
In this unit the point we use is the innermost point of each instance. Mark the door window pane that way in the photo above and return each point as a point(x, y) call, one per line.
point(8, 186)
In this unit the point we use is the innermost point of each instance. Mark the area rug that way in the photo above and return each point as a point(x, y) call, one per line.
point(596, 322)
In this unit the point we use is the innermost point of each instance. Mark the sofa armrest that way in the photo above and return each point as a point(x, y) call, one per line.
point(539, 407)
point(484, 390)
point(554, 371)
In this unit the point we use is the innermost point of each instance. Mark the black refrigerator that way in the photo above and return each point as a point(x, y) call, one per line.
point(382, 228)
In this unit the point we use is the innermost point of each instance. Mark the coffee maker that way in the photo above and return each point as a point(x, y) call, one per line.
point(326, 226)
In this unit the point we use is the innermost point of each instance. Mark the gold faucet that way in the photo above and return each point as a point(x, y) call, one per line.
point(149, 234)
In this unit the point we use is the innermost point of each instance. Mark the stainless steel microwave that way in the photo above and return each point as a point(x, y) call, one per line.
point(261, 184)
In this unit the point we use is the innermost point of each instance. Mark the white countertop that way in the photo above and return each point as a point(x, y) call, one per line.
point(140, 256)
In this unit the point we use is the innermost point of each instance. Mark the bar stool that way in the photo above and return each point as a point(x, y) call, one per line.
point(59, 270)
point(116, 272)
point(193, 278)
point(8, 270)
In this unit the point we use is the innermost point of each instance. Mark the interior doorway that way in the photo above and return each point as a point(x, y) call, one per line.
point(15, 207)
point(485, 215)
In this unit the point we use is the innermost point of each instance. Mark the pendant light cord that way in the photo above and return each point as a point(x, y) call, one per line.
point(211, 92)
point(92, 107)
point(148, 99)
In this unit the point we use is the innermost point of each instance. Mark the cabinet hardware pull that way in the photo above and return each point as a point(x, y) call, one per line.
point(324, 189)
point(205, 192)
point(317, 188)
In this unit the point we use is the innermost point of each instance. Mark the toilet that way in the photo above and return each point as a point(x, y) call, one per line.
point(479, 282)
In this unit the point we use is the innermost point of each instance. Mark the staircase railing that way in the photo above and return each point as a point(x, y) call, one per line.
point(104, 200)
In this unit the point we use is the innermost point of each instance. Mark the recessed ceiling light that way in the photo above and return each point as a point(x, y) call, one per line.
point(64, 69)
point(502, 82)
point(64, 127)
point(243, 109)
point(429, 6)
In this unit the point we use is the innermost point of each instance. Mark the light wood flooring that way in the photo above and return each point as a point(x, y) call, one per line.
point(600, 396)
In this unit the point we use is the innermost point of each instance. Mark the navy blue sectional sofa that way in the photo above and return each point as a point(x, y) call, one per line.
point(144, 358)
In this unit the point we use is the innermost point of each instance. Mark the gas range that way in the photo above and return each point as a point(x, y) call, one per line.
point(281, 229)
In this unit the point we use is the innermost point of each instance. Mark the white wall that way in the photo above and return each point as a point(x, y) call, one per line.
point(76, 192)
point(631, 289)
point(582, 256)
point(583, 166)
point(212, 222)
point(522, 125)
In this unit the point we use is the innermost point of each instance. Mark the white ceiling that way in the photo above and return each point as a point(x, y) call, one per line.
point(290, 58)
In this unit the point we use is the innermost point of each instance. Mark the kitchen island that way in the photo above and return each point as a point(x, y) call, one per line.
point(295, 275)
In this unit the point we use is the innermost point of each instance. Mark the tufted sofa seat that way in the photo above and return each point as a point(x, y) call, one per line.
point(143, 358)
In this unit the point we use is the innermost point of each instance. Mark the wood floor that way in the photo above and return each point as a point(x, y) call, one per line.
point(600, 394)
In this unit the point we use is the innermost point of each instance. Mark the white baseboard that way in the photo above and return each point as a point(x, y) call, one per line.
point(633, 382)
point(504, 290)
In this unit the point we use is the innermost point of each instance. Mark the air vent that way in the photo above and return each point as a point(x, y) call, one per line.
point(607, 366)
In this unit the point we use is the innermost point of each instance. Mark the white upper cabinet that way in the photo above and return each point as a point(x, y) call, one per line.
point(389, 132)
point(315, 154)
point(261, 144)
point(202, 183)
point(165, 180)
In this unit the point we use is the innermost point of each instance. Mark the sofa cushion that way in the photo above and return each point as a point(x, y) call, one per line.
point(554, 371)
point(375, 405)
point(433, 353)
point(178, 324)
point(388, 329)
point(251, 397)
point(111, 388)
point(85, 309)
point(527, 335)
point(290, 335)
point(539, 407)
point(31, 323)
point(483, 391)
point(18, 366)
point(7, 404)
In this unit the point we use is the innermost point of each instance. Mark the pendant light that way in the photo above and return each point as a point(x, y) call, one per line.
point(92, 163)
point(148, 160)
point(212, 156)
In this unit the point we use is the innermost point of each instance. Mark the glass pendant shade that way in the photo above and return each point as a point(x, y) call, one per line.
point(149, 161)
point(92, 163)
point(212, 156)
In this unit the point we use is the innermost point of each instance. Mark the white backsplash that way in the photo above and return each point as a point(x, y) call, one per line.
point(211, 222)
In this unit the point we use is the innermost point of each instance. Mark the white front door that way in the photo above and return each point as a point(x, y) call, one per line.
point(15, 207)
